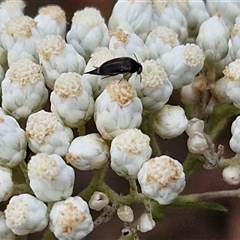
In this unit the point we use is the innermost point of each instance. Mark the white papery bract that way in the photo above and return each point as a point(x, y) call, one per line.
point(46, 133)
point(57, 57)
point(5, 232)
point(145, 223)
point(88, 31)
point(235, 139)
point(160, 40)
point(26, 214)
point(129, 150)
point(182, 63)
point(88, 152)
point(51, 179)
point(197, 143)
point(213, 39)
point(125, 213)
point(133, 16)
point(232, 87)
point(128, 44)
point(70, 219)
point(19, 37)
point(170, 121)
point(23, 89)
point(169, 15)
point(162, 179)
point(194, 125)
point(117, 108)
point(13, 142)
point(231, 175)
point(6, 183)
point(72, 100)
point(98, 201)
point(98, 82)
point(154, 89)
point(51, 19)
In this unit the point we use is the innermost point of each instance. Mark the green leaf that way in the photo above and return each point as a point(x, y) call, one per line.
point(203, 205)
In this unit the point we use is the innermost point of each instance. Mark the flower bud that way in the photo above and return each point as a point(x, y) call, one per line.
point(129, 150)
point(162, 179)
point(23, 89)
point(194, 125)
point(51, 179)
point(170, 16)
point(128, 44)
point(232, 75)
point(47, 134)
point(213, 38)
point(18, 33)
point(231, 175)
point(219, 90)
point(98, 82)
point(88, 31)
point(182, 63)
point(6, 183)
point(235, 139)
point(117, 108)
point(10, 9)
point(170, 121)
point(51, 19)
point(161, 40)
point(197, 143)
point(98, 201)
point(72, 99)
point(88, 152)
point(13, 142)
point(26, 214)
point(52, 50)
point(70, 219)
point(133, 16)
point(155, 88)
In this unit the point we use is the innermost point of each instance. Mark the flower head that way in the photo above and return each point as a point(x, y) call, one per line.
point(162, 179)
point(129, 150)
point(72, 100)
point(117, 108)
point(51, 179)
point(46, 133)
point(88, 152)
point(51, 19)
point(26, 214)
point(23, 89)
point(70, 219)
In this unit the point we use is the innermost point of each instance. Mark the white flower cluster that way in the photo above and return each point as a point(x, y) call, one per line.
point(48, 97)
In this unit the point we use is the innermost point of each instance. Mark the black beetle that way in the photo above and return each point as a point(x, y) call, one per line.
point(113, 67)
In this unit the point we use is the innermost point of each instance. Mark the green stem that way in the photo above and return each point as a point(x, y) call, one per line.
point(210, 195)
point(81, 130)
point(133, 187)
point(95, 184)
